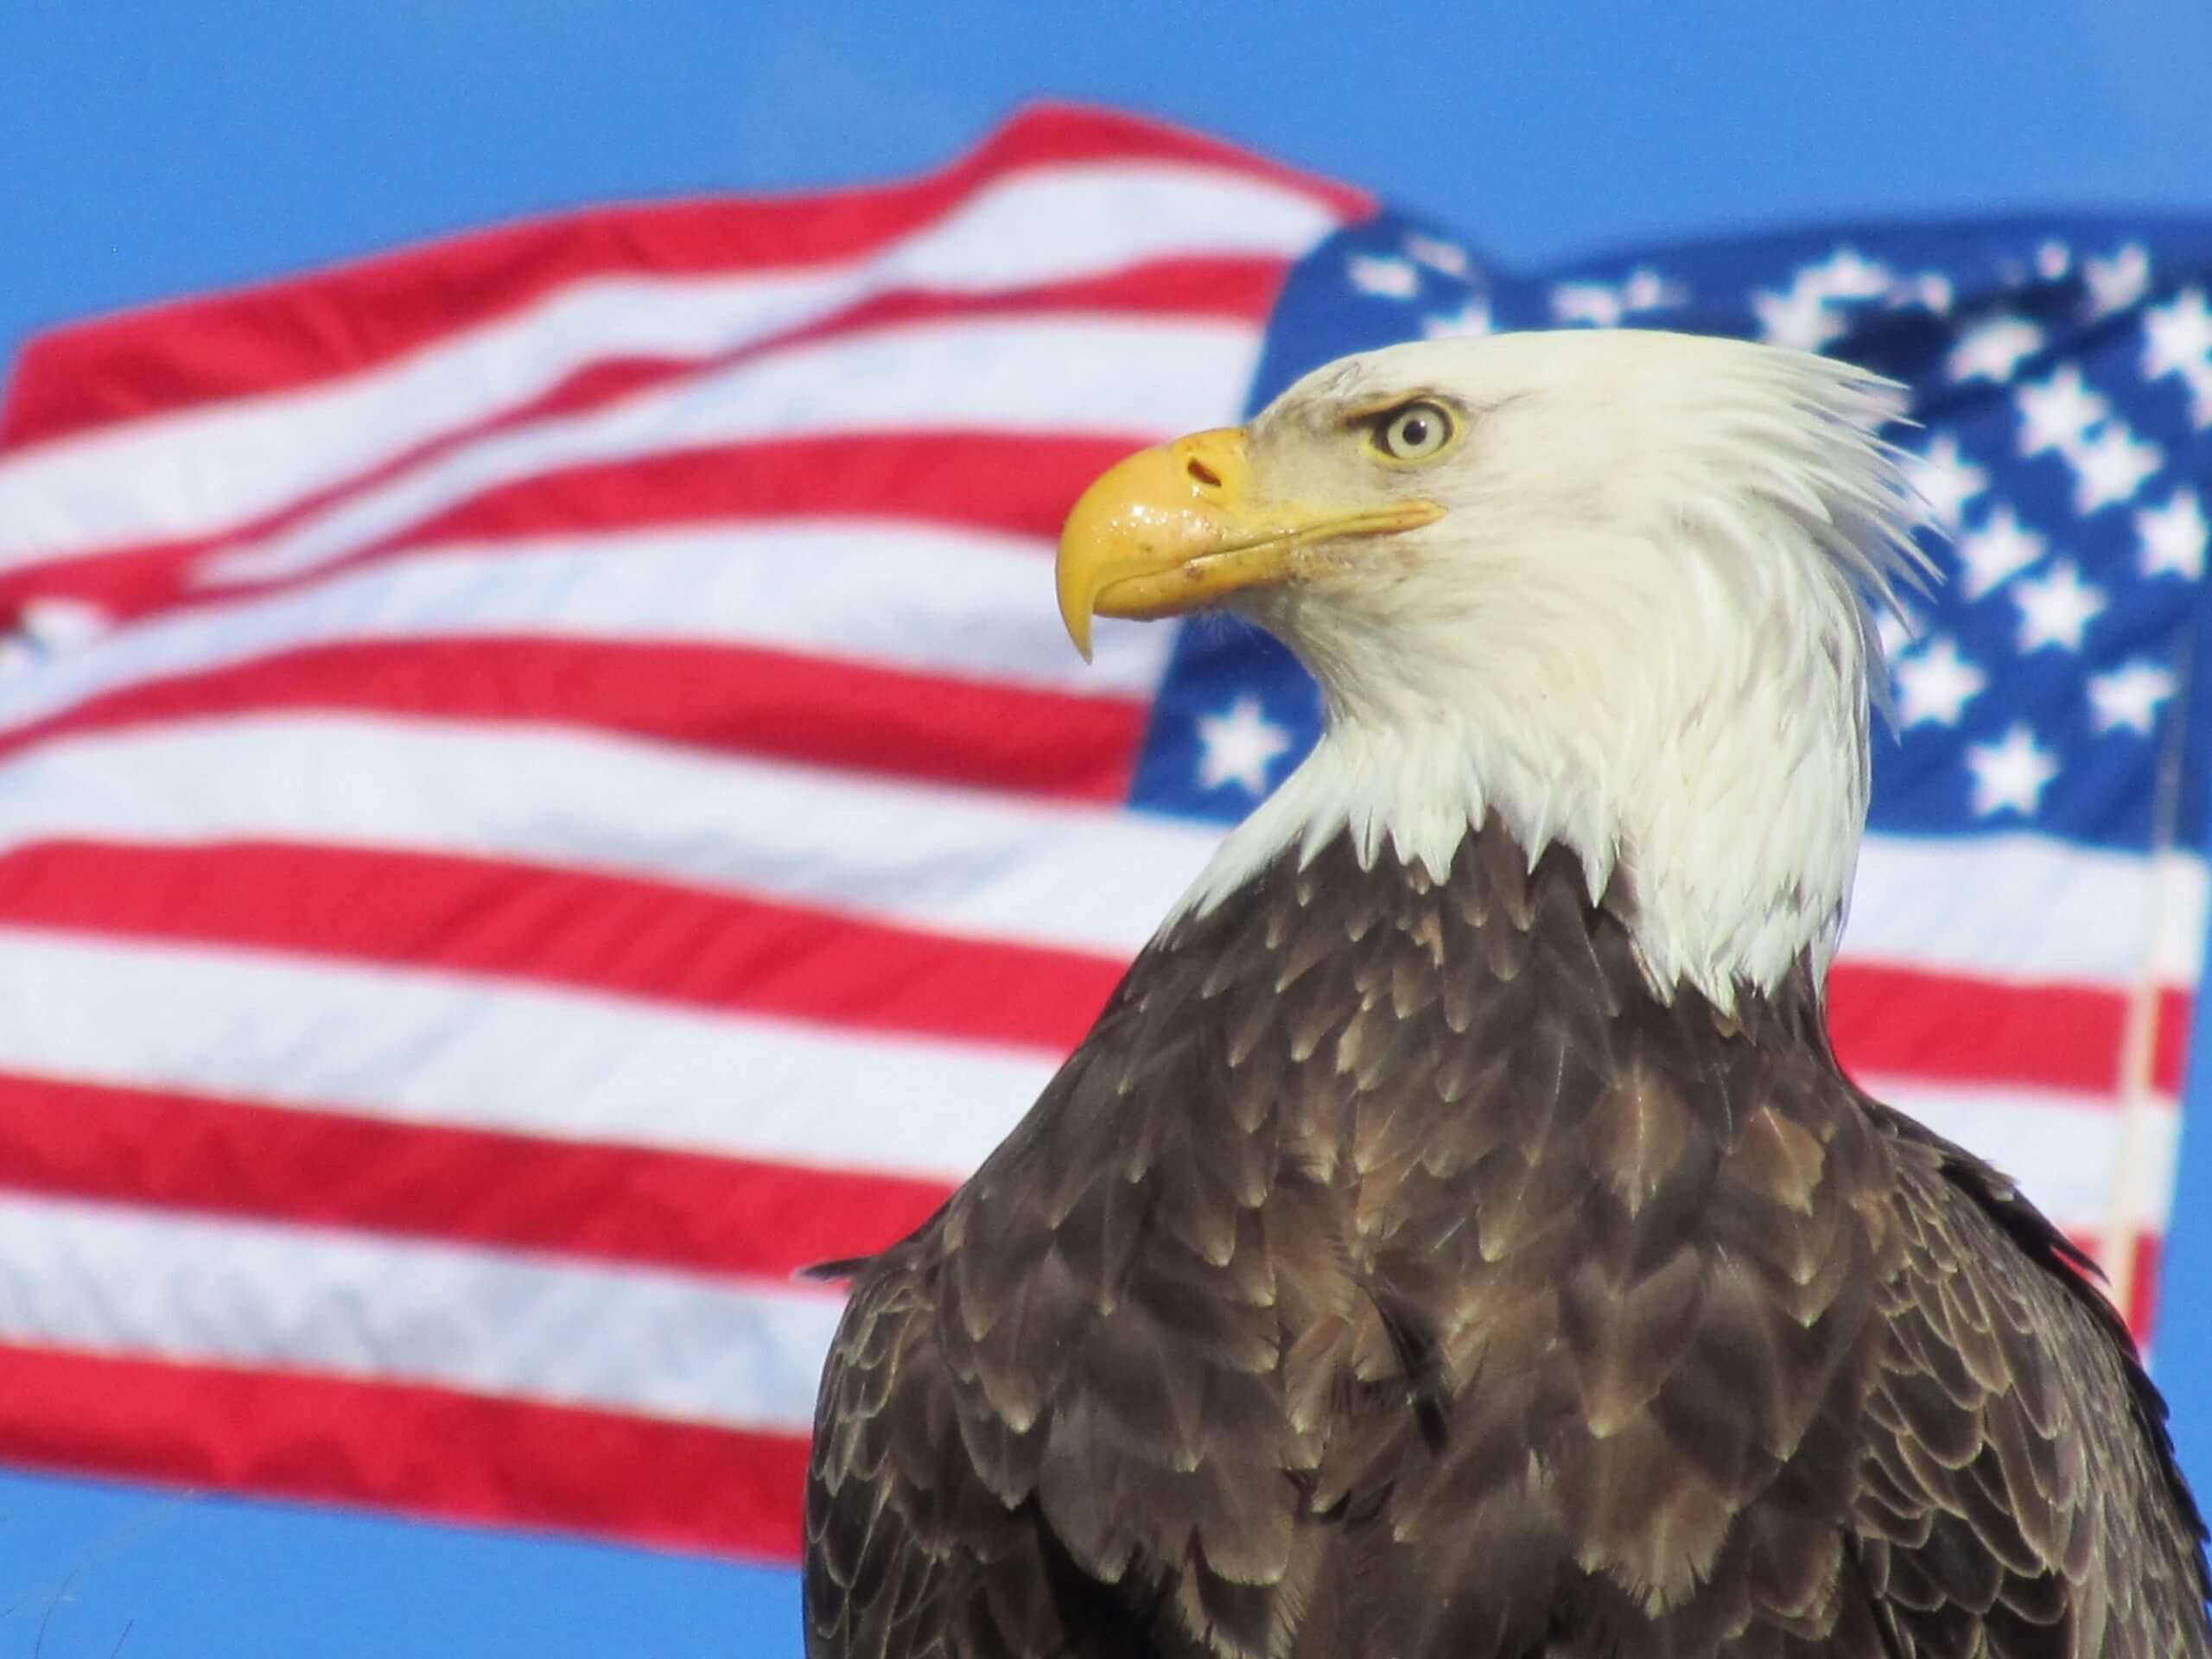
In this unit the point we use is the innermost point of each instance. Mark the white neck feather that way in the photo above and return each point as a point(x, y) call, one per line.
point(1698, 726)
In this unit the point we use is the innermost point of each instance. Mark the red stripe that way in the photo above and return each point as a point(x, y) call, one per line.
point(2177, 1017)
point(1898, 1021)
point(630, 936)
point(821, 711)
point(601, 933)
point(1015, 482)
point(627, 1204)
point(1238, 288)
point(690, 1210)
point(2143, 1301)
point(1019, 483)
point(289, 333)
point(435, 1451)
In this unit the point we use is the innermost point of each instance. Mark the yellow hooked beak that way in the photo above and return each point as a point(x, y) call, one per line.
point(1175, 527)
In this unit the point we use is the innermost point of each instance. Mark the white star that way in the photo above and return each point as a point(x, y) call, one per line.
point(1447, 257)
point(1595, 303)
point(1239, 745)
point(1799, 315)
point(2117, 283)
point(2112, 466)
point(2055, 413)
point(1895, 630)
point(1992, 350)
point(2056, 607)
point(1471, 319)
point(2173, 537)
point(1646, 290)
point(1936, 685)
point(1995, 551)
point(1384, 276)
point(2197, 377)
point(1604, 304)
point(1846, 275)
point(2052, 260)
point(1947, 480)
point(2178, 335)
point(2010, 774)
point(2130, 695)
point(1798, 318)
point(1931, 288)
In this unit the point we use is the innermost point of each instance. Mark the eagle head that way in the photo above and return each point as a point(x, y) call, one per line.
point(1616, 588)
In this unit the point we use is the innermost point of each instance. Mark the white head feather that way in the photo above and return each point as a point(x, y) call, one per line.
point(1642, 630)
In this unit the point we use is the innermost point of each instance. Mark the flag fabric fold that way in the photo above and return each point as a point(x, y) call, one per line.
point(541, 787)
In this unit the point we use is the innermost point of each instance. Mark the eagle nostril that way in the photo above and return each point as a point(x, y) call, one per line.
point(1205, 475)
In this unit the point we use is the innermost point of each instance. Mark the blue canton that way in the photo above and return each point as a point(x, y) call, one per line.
point(2061, 374)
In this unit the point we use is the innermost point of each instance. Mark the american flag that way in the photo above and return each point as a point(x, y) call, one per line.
point(541, 787)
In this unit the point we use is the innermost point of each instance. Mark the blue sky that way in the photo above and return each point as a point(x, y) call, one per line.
point(153, 147)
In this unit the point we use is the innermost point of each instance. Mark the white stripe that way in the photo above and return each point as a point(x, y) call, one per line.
point(967, 862)
point(417, 1045)
point(2058, 1145)
point(2024, 908)
point(203, 470)
point(2179, 910)
point(414, 1046)
point(1068, 372)
point(108, 1280)
point(966, 603)
point(962, 861)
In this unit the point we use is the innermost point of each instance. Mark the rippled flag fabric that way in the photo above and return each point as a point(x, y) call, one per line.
point(541, 787)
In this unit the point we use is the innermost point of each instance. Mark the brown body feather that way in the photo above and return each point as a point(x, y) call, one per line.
point(1390, 1273)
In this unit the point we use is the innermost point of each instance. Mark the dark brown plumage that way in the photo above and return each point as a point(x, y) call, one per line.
point(1391, 1273)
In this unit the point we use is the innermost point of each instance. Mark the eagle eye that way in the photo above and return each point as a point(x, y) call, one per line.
point(1413, 432)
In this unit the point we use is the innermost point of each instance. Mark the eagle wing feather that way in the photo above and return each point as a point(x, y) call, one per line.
point(1997, 1500)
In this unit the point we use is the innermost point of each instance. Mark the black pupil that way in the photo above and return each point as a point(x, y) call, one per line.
point(1412, 431)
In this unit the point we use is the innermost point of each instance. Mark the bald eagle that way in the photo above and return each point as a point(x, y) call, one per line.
point(1455, 1239)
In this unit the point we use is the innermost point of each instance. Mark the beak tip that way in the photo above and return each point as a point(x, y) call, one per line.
point(1079, 632)
point(1078, 598)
